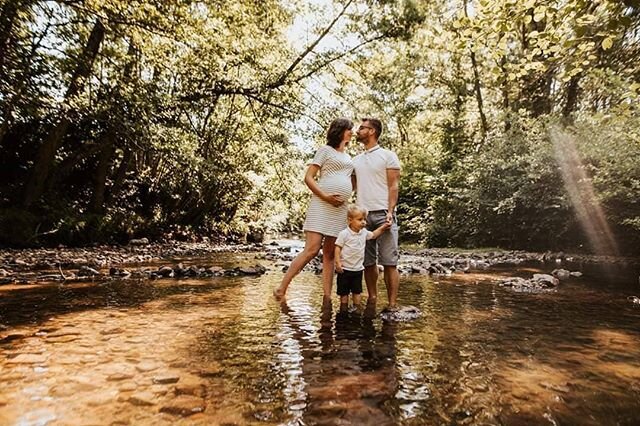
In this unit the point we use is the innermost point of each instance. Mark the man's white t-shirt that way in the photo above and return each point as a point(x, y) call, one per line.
point(353, 244)
point(370, 168)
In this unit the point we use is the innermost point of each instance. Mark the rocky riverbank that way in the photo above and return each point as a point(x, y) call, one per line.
point(143, 260)
point(111, 262)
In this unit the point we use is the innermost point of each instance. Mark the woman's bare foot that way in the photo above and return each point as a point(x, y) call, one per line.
point(278, 294)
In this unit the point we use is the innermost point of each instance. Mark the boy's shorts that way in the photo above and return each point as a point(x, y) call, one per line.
point(384, 249)
point(349, 282)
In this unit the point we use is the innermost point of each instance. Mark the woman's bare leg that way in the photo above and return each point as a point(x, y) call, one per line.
point(312, 246)
point(328, 267)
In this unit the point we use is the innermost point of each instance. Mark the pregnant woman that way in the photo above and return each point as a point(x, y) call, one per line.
point(327, 212)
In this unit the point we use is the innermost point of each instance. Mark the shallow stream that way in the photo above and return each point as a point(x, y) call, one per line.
point(153, 352)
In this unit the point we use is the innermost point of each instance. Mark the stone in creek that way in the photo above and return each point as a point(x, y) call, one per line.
point(252, 270)
point(13, 336)
point(62, 339)
point(3, 273)
point(115, 330)
point(142, 399)
point(165, 271)
point(64, 332)
point(139, 241)
point(86, 271)
point(561, 274)
point(402, 313)
point(128, 387)
point(144, 367)
point(119, 376)
point(216, 270)
point(166, 379)
point(191, 386)
point(555, 387)
point(72, 388)
point(211, 371)
point(184, 405)
point(102, 398)
point(576, 274)
point(28, 359)
point(546, 279)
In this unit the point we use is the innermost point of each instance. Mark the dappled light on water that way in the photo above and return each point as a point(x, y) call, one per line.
point(582, 194)
point(222, 351)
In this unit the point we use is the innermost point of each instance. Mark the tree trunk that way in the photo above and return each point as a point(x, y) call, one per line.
point(102, 170)
point(571, 101)
point(476, 85)
point(121, 174)
point(47, 151)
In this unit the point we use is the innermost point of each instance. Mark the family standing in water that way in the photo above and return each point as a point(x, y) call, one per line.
point(354, 238)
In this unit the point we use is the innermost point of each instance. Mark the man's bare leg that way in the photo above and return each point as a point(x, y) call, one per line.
point(392, 282)
point(371, 279)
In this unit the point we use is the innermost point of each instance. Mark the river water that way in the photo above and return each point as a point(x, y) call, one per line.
point(153, 352)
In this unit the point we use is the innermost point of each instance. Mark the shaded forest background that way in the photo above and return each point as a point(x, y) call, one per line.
point(517, 122)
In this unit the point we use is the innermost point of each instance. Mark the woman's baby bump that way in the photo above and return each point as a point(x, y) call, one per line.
point(336, 184)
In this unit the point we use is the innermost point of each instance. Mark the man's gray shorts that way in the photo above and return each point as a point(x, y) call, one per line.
point(384, 249)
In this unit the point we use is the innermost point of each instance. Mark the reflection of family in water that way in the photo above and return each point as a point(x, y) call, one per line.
point(354, 239)
point(349, 371)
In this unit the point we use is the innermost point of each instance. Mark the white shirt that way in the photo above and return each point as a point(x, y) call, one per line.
point(370, 168)
point(353, 243)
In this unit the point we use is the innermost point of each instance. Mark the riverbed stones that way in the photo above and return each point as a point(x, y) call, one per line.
point(86, 271)
point(184, 405)
point(191, 386)
point(139, 241)
point(165, 379)
point(145, 366)
point(28, 358)
point(142, 399)
point(561, 274)
point(546, 280)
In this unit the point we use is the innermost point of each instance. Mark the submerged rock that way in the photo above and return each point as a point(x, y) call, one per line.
point(402, 313)
point(539, 282)
point(139, 242)
point(184, 405)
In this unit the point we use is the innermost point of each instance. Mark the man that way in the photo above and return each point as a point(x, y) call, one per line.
point(377, 173)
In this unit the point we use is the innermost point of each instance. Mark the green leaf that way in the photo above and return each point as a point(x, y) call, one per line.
point(607, 43)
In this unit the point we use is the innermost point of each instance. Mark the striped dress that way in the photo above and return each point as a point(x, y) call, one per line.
point(335, 178)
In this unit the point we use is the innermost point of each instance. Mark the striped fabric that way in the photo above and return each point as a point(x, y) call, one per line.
point(335, 178)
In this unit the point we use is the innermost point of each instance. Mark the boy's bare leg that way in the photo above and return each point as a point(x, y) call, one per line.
point(344, 303)
point(311, 248)
point(392, 282)
point(357, 299)
point(371, 279)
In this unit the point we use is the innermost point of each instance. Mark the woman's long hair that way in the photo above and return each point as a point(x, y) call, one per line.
point(336, 131)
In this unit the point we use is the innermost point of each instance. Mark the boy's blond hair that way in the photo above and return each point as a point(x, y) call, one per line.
point(354, 209)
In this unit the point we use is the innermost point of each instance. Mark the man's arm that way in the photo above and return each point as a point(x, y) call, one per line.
point(393, 180)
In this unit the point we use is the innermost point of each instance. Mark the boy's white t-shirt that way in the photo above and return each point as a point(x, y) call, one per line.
point(353, 244)
point(370, 168)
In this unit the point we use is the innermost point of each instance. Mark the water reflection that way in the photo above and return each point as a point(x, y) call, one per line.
point(479, 355)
